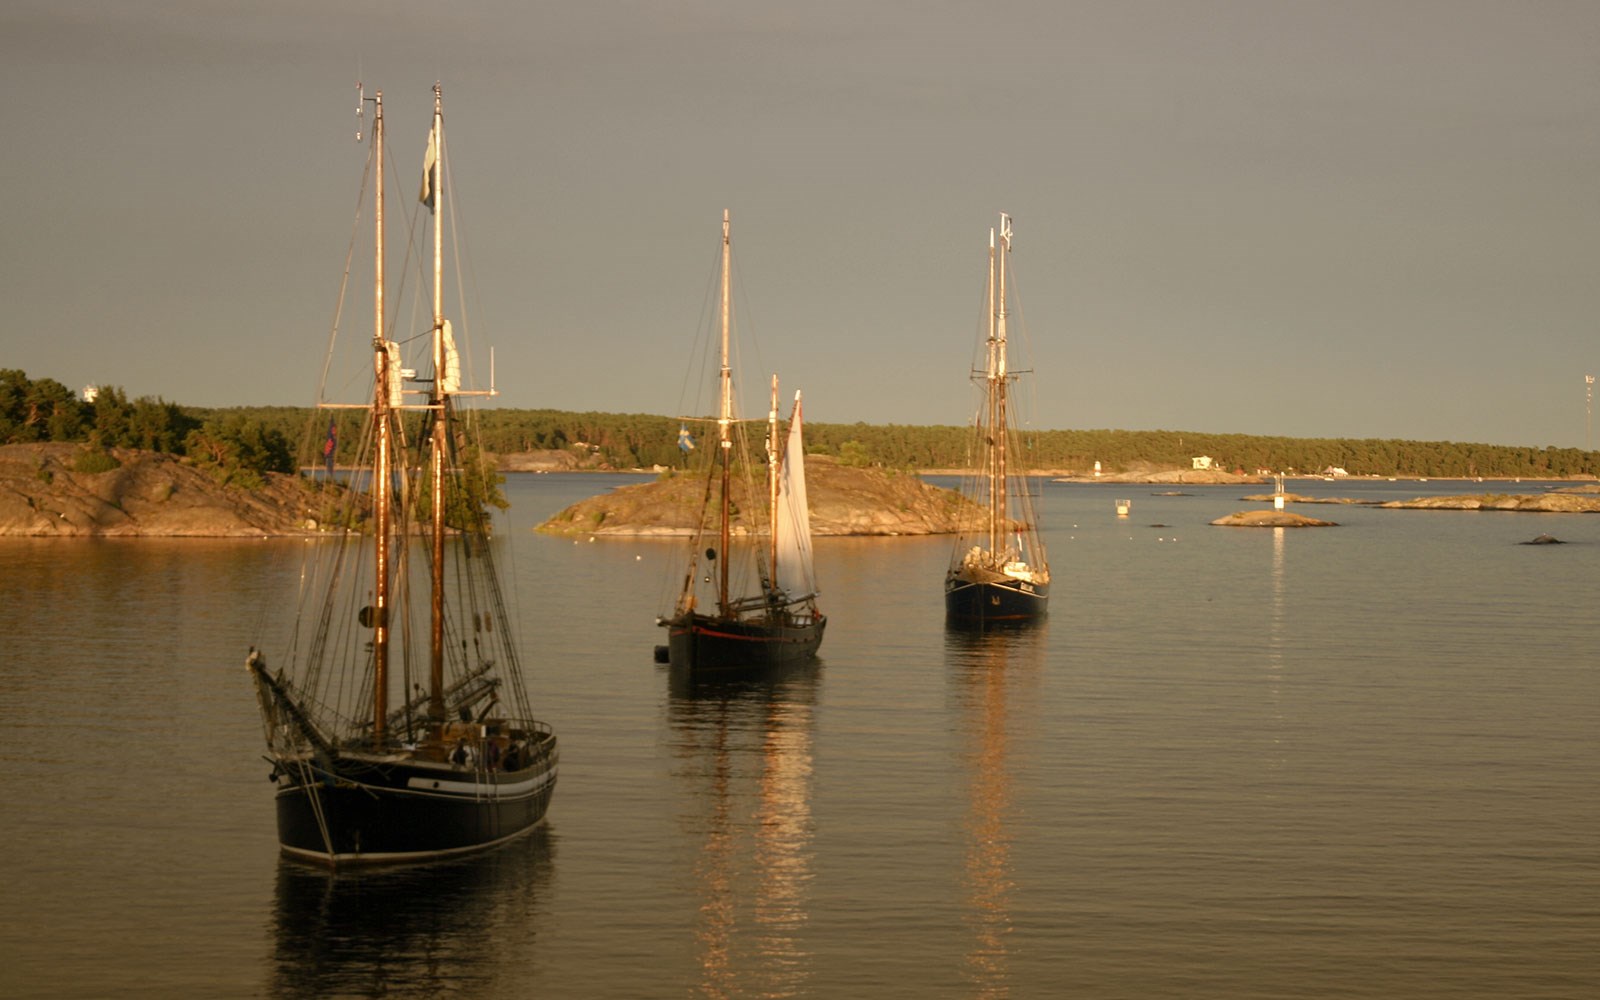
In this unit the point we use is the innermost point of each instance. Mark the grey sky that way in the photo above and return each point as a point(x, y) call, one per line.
point(1359, 219)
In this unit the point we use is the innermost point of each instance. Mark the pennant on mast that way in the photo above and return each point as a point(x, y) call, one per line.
point(430, 172)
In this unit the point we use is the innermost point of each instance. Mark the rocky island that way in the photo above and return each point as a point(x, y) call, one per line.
point(844, 500)
point(1564, 500)
point(1185, 477)
point(1271, 519)
point(50, 490)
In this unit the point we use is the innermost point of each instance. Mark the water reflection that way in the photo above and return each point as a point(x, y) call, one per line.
point(988, 669)
point(424, 930)
point(1275, 631)
point(744, 747)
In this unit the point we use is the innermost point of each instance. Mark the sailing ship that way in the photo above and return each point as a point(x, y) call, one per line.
point(754, 602)
point(405, 597)
point(998, 572)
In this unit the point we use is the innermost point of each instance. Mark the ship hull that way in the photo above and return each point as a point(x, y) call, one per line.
point(355, 811)
point(704, 643)
point(1005, 599)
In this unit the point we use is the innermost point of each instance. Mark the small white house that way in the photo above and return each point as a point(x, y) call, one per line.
point(1202, 461)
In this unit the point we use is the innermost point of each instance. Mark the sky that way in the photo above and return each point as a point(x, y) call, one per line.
point(1368, 218)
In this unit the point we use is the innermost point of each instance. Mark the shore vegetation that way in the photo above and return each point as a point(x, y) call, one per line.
point(237, 442)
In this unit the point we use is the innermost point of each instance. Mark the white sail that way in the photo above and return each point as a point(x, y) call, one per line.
point(450, 382)
point(793, 571)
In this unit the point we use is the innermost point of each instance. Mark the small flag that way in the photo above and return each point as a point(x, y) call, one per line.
point(685, 442)
point(330, 446)
point(430, 172)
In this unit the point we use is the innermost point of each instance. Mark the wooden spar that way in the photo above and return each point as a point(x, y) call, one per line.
point(998, 385)
point(772, 487)
point(381, 479)
point(440, 440)
point(725, 421)
point(989, 396)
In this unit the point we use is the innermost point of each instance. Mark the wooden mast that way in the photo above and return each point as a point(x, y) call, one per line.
point(989, 396)
point(998, 385)
point(772, 489)
point(382, 362)
point(725, 420)
point(439, 409)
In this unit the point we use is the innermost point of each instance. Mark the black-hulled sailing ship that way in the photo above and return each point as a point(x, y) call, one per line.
point(399, 727)
point(749, 597)
point(998, 572)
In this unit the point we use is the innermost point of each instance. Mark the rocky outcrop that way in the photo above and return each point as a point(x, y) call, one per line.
point(43, 493)
point(1568, 500)
point(1554, 502)
point(1543, 540)
point(844, 500)
point(1188, 477)
point(550, 460)
point(1271, 519)
point(1297, 498)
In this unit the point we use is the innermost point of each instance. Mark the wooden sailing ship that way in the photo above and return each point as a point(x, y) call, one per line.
point(998, 572)
point(405, 599)
point(749, 597)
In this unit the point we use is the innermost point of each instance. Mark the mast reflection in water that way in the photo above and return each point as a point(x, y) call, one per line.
point(988, 669)
point(447, 928)
point(745, 747)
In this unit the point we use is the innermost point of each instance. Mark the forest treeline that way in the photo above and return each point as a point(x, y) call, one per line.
point(238, 441)
point(234, 447)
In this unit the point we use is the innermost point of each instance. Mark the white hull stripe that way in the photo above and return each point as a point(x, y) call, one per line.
point(393, 856)
point(478, 790)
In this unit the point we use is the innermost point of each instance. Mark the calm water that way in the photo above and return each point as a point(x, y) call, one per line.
point(1355, 762)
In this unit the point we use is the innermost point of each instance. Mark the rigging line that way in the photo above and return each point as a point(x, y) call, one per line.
point(745, 328)
point(700, 350)
point(466, 273)
point(344, 281)
point(307, 782)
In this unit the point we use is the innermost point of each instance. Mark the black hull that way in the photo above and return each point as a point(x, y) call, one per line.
point(971, 602)
point(371, 811)
point(703, 643)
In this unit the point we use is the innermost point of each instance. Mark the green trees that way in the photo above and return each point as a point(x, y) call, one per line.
point(44, 410)
point(246, 440)
point(237, 449)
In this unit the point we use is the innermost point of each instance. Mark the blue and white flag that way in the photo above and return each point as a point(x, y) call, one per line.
point(685, 442)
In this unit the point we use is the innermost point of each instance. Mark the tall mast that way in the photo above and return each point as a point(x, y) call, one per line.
point(998, 380)
point(440, 405)
point(725, 420)
point(988, 395)
point(772, 486)
point(381, 479)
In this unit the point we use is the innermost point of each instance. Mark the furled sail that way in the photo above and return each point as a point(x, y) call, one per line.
point(397, 382)
point(793, 571)
point(450, 383)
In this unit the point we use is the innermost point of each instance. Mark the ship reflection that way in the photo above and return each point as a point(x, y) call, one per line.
point(424, 930)
point(989, 669)
point(744, 748)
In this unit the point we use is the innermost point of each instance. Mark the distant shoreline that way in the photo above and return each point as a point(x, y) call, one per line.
point(1126, 478)
point(154, 495)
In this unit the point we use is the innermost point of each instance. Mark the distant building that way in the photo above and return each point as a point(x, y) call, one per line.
point(1334, 471)
point(1202, 462)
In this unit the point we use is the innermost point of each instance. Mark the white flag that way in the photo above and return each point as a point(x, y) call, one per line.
point(430, 172)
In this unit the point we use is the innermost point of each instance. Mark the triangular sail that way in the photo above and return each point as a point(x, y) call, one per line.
point(793, 571)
